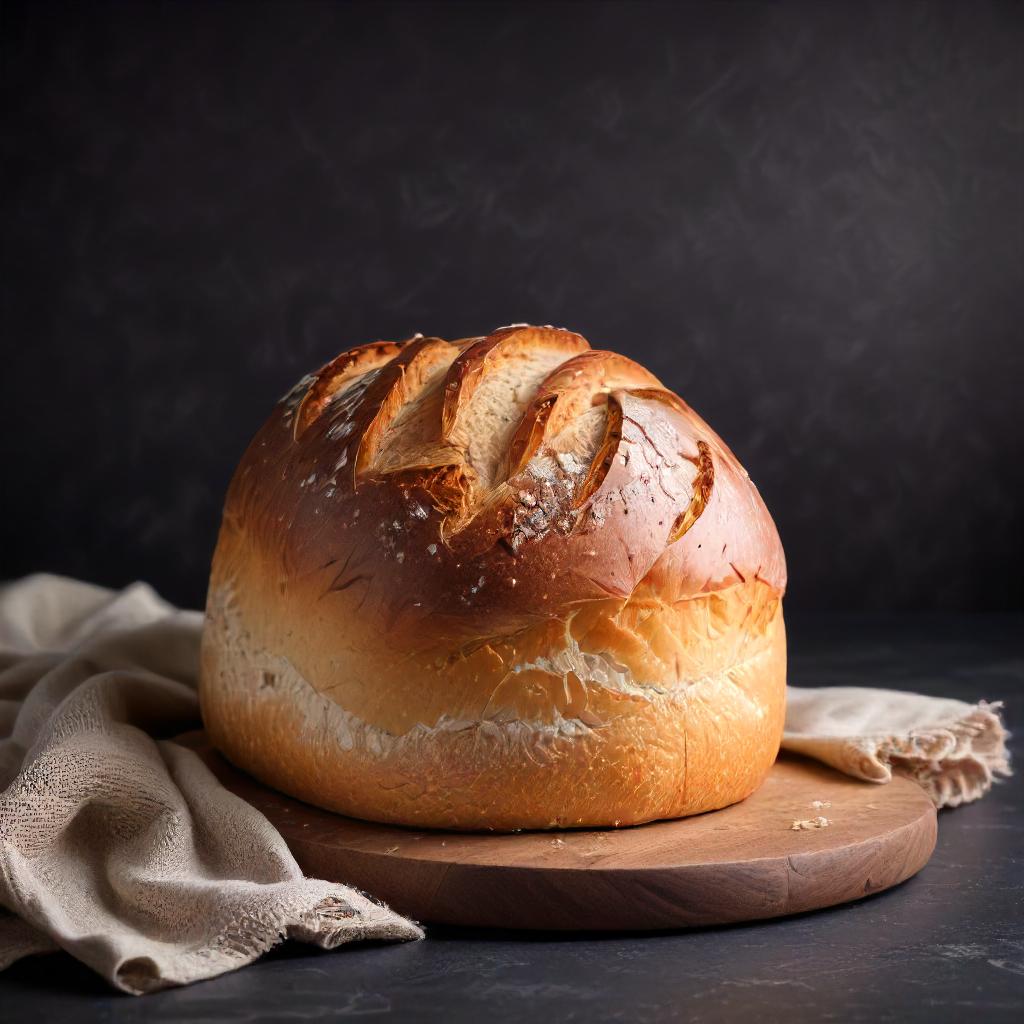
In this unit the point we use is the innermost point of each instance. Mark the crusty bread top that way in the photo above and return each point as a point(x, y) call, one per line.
point(481, 484)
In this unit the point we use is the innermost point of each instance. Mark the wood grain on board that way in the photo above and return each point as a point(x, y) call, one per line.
point(741, 863)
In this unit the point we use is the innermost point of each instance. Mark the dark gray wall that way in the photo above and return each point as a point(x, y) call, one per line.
point(806, 218)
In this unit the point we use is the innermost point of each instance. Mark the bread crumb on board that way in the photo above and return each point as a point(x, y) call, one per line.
point(810, 823)
point(818, 804)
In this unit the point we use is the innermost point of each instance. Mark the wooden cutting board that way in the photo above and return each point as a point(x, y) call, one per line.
point(738, 864)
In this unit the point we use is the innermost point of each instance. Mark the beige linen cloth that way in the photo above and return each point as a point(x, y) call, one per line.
point(119, 847)
point(122, 848)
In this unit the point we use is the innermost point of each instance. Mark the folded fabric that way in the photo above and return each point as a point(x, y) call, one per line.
point(120, 846)
point(953, 749)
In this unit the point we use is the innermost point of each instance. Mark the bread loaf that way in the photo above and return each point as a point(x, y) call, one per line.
point(506, 582)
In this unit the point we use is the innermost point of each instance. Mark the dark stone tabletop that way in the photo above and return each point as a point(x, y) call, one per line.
point(946, 946)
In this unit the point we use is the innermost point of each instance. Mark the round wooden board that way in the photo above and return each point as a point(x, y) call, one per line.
point(739, 864)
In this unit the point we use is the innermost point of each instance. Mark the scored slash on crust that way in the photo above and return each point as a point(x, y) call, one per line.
point(508, 343)
point(568, 392)
point(402, 380)
point(342, 370)
point(702, 487)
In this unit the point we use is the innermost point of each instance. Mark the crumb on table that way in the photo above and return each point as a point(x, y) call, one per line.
point(810, 823)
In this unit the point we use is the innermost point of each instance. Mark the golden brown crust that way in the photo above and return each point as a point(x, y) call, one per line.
point(501, 583)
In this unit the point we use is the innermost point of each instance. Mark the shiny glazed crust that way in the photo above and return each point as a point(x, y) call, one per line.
point(499, 583)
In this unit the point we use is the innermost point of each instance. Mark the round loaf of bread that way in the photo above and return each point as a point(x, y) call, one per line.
point(507, 582)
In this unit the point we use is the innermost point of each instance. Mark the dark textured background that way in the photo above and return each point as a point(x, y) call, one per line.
point(806, 218)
